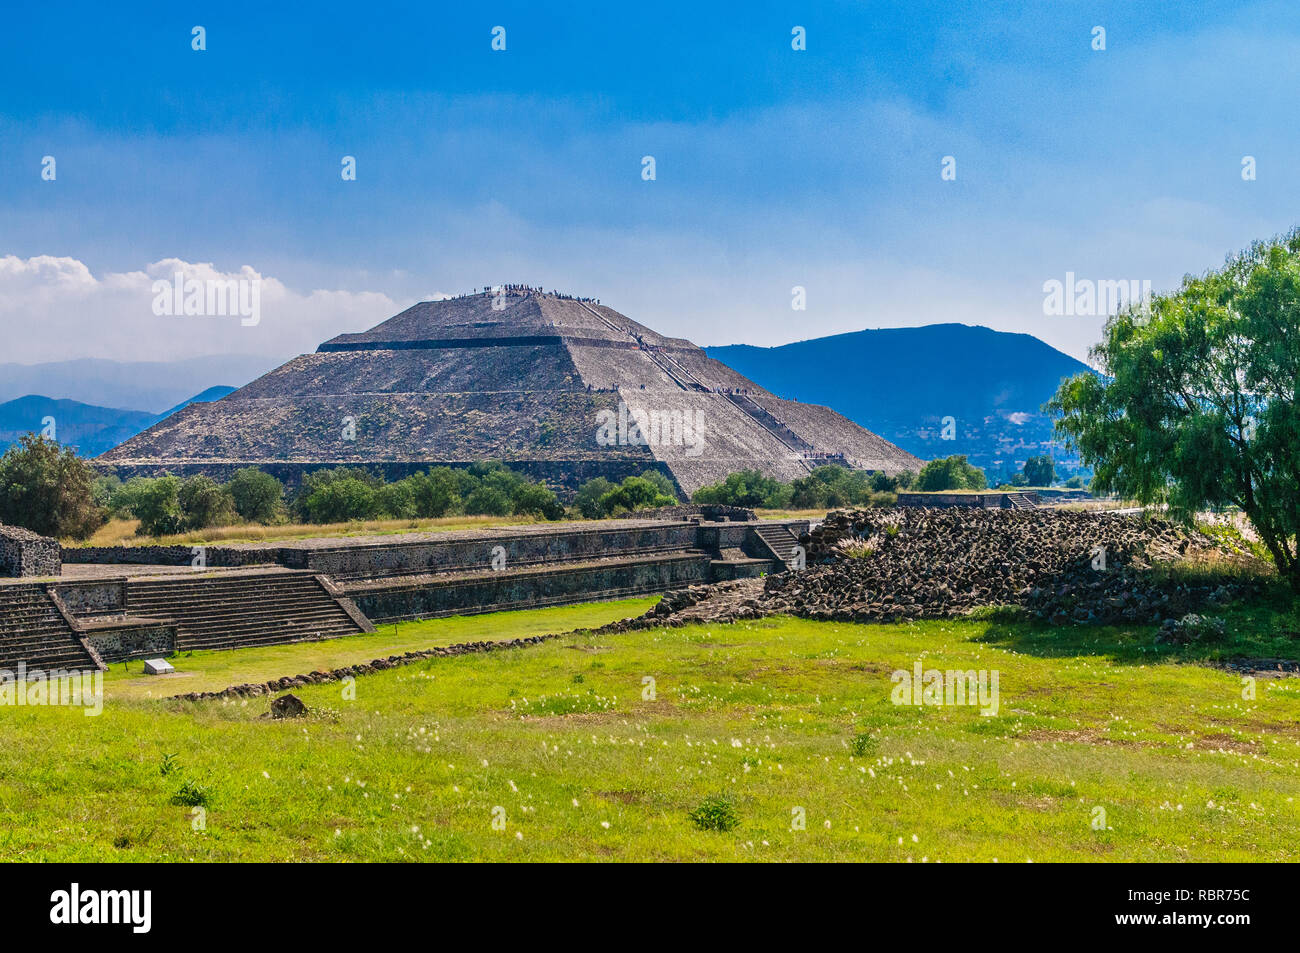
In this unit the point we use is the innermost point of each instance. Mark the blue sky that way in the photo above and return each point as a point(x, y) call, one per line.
point(775, 168)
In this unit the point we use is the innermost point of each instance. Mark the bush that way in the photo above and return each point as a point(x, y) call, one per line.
point(588, 500)
point(716, 813)
point(488, 501)
point(634, 493)
point(258, 497)
point(48, 489)
point(863, 745)
point(950, 473)
point(191, 794)
point(746, 488)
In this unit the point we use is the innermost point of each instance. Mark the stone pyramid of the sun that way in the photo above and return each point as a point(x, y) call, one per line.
point(559, 388)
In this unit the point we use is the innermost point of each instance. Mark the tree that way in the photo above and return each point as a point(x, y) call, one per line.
point(488, 501)
point(397, 500)
point(258, 496)
point(950, 473)
point(340, 501)
point(1074, 483)
point(156, 504)
point(48, 489)
point(437, 492)
point(1198, 405)
point(660, 482)
point(588, 499)
point(203, 503)
point(1040, 471)
point(533, 499)
point(315, 483)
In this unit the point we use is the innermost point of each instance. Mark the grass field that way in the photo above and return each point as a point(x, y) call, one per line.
point(565, 749)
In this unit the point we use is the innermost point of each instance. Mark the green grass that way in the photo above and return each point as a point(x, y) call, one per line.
point(212, 671)
point(560, 751)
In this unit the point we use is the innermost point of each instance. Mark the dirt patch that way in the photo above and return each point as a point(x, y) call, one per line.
point(1259, 667)
point(1228, 743)
point(1084, 736)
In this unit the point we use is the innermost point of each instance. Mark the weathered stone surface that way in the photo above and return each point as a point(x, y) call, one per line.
point(288, 706)
point(24, 553)
point(158, 666)
point(895, 565)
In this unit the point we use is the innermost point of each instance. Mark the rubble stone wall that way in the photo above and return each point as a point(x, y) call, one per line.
point(24, 553)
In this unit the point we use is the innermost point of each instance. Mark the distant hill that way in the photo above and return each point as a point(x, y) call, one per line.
point(902, 382)
point(89, 428)
point(150, 386)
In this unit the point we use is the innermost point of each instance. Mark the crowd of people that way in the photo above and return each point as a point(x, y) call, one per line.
point(522, 291)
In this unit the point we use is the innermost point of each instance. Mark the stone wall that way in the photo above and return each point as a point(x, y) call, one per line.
point(498, 591)
point(449, 555)
point(90, 597)
point(472, 554)
point(133, 642)
point(214, 556)
point(710, 512)
point(24, 553)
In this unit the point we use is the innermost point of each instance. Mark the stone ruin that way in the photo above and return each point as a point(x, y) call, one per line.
point(894, 565)
point(24, 553)
point(560, 388)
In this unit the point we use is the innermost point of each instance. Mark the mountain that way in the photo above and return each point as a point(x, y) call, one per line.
point(89, 428)
point(902, 383)
point(209, 395)
point(151, 386)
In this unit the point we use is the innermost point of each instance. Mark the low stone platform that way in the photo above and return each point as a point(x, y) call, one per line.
point(111, 604)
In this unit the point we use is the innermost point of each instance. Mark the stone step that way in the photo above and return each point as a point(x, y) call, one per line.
point(233, 611)
point(34, 632)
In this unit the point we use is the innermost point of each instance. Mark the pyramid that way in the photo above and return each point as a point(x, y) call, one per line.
point(560, 388)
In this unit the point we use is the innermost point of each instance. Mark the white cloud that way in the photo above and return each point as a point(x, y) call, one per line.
point(54, 309)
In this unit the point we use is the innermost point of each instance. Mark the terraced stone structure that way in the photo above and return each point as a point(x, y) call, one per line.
point(114, 604)
point(553, 385)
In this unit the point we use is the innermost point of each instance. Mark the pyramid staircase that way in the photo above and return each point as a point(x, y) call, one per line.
point(35, 631)
point(1022, 501)
point(229, 610)
point(781, 541)
point(769, 423)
